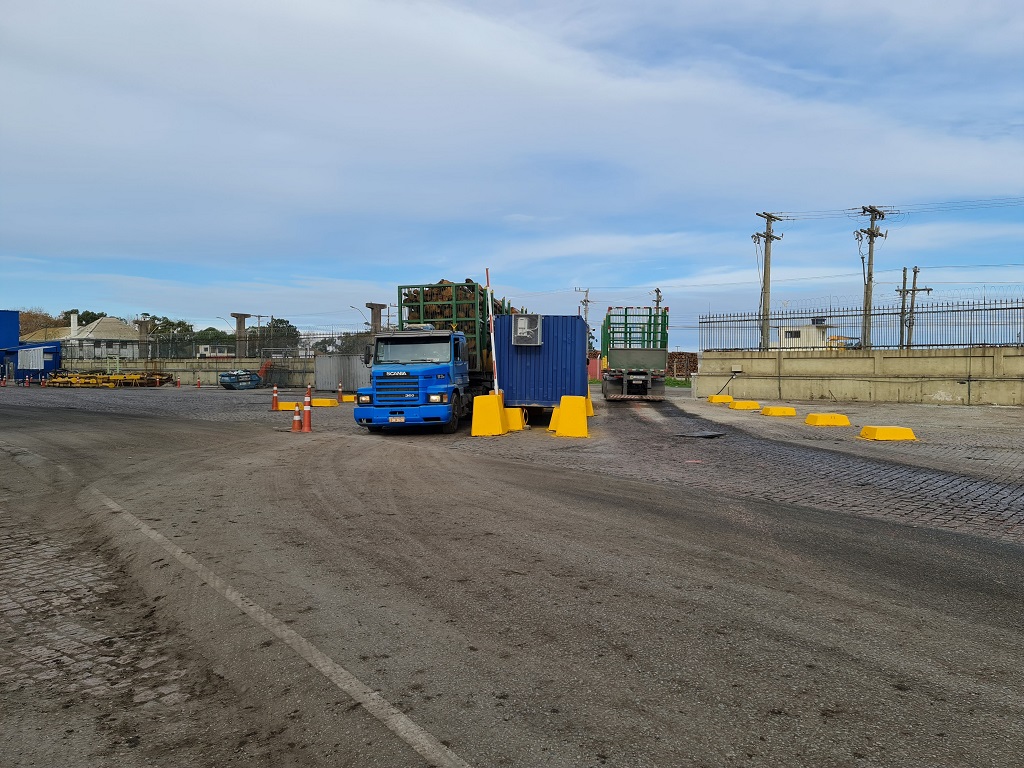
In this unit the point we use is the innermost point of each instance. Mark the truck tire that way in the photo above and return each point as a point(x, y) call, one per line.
point(452, 425)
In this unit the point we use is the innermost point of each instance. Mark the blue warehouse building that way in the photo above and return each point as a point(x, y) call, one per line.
point(19, 361)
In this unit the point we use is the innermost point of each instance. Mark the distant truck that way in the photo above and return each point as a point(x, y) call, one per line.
point(429, 370)
point(634, 353)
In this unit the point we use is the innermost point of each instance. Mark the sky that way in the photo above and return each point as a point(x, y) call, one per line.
point(297, 160)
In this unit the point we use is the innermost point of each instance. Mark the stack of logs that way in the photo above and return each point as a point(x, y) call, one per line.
point(435, 301)
point(682, 365)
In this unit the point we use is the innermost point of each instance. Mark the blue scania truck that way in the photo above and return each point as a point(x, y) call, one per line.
point(430, 368)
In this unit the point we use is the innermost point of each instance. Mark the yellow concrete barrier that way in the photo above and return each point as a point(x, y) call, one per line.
point(324, 402)
point(553, 424)
point(888, 433)
point(827, 420)
point(778, 410)
point(744, 405)
point(488, 416)
point(348, 398)
point(515, 419)
point(285, 406)
point(720, 398)
point(572, 417)
point(590, 404)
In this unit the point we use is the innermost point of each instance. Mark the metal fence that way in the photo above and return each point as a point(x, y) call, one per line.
point(948, 324)
point(204, 347)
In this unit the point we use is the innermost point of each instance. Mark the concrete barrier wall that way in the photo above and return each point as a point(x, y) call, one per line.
point(974, 376)
point(289, 372)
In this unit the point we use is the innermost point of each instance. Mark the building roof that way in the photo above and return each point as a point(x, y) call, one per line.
point(104, 329)
point(107, 329)
point(46, 334)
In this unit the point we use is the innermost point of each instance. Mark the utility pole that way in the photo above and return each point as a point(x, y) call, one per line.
point(903, 308)
point(657, 300)
point(871, 233)
point(913, 295)
point(766, 279)
point(585, 301)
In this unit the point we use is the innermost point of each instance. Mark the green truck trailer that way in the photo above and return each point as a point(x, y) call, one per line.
point(634, 353)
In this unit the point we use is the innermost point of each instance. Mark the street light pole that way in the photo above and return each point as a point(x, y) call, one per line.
point(357, 309)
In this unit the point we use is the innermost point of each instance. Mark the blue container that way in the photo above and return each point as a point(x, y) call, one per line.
point(10, 321)
point(540, 358)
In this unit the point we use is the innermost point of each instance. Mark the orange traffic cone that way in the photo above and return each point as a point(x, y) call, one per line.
point(199, 383)
point(297, 419)
point(179, 382)
point(307, 413)
point(339, 391)
point(273, 400)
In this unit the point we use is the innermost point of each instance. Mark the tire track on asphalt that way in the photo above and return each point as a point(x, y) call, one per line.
point(423, 742)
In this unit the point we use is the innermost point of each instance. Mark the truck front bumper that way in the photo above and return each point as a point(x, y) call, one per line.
point(390, 416)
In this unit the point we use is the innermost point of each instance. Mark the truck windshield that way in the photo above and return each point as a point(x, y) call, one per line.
point(413, 350)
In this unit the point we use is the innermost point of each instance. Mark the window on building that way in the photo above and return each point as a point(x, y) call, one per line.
point(792, 334)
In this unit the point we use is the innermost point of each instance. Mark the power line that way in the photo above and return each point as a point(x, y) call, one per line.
point(935, 207)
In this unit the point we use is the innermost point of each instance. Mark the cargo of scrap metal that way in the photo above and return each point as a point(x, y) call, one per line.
point(540, 358)
point(634, 353)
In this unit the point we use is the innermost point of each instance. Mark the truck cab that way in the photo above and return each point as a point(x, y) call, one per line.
point(418, 376)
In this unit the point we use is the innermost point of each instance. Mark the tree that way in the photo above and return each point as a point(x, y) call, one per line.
point(346, 343)
point(85, 316)
point(164, 325)
point(213, 335)
point(277, 334)
point(35, 319)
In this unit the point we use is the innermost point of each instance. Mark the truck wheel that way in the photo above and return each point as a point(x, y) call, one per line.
point(374, 428)
point(452, 424)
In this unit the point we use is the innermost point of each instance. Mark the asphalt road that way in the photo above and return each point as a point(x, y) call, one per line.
point(217, 591)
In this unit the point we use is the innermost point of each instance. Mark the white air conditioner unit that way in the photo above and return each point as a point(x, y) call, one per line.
point(526, 330)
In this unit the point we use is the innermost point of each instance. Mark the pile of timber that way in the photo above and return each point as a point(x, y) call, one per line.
point(682, 364)
point(435, 302)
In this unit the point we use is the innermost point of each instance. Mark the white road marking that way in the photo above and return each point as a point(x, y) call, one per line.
point(426, 744)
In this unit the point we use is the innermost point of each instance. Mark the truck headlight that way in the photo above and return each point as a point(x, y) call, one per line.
point(364, 398)
point(440, 397)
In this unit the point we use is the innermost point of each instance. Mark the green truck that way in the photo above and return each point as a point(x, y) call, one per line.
point(634, 353)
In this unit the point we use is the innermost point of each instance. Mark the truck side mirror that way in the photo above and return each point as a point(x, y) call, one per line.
point(367, 355)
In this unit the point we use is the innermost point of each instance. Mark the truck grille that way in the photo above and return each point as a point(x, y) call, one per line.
point(404, 390)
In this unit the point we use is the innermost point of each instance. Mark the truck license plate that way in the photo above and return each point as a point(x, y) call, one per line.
point(396, 419)
point(636, 378)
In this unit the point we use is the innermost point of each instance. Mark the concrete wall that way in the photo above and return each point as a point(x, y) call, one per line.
point(973, 376)
point(289, 372)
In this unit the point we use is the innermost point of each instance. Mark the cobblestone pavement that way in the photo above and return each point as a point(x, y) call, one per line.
point(976, 440)
point(49, 638)
point(930, 483)
point(967, 474)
